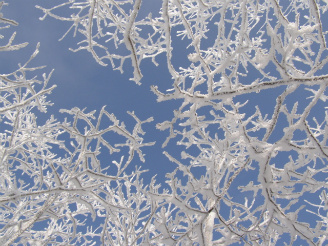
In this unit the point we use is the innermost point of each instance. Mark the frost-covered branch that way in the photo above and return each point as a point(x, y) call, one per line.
point(56, 176)
point(250, 116)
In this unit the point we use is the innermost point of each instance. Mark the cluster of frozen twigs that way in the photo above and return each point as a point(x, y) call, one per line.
point(251, 173)
point(52, 181)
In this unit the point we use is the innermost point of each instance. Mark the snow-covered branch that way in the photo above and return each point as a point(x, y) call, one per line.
point(250, 117)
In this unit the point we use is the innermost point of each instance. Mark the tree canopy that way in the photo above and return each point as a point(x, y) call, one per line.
point(251, 118)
